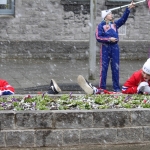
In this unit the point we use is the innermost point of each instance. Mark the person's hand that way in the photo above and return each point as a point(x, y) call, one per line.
point(112, 39)
point(146, 89)
point(141, 86)
point(132, 5)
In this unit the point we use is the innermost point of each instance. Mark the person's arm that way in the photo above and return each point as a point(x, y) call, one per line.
point(125, 16)
point(130, 86)
point(146, 89)
point(100, 35)
point(129, 90)
point(123, 19)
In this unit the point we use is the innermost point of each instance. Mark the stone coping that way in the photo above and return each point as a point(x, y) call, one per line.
point(73, 128)
point(67, 49)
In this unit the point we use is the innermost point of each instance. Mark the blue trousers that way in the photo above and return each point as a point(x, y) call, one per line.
point(109, 54)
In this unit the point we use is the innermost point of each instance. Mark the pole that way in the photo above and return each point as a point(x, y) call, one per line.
point(92, 46)
point(127, 5)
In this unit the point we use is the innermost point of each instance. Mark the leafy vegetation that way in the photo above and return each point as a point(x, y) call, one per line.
point(70, 102)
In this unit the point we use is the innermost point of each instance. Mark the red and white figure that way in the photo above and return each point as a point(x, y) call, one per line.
point(6, 88)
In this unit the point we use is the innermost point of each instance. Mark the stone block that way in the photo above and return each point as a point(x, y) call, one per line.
point(111, 118)
point(140, 117)
point(144, 31)
point(34, 119)
point(70, 120)
point(98, 136)
point(146, 134)
point(48, 138)
point(130, 135)
point(15, 29)
point(33, 37)
point(7, 120)
point(86, 29)
point(2, 138)
point(71, 137)
point(20, 138)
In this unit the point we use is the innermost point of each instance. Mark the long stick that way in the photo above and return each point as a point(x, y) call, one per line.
point(126, 5)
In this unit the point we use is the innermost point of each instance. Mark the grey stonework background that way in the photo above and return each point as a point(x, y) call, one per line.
point(71, 128)
point(41, 28)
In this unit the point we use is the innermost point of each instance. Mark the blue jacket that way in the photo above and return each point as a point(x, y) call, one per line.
point(104, 32)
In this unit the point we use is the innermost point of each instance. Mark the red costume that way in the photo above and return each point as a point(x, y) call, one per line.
point(5, 88)
point(130, 86)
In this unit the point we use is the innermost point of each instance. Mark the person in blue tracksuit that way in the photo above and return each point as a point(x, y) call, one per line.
point(107, 35)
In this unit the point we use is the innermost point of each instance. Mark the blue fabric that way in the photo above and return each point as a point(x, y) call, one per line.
point(103, 36)
point(7, 92)
point(123, 19)
point(110, 51)
point(110, 54)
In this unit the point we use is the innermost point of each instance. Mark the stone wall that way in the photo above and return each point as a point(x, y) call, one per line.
point(46, 23)
point(68, 49)
point(58, 129)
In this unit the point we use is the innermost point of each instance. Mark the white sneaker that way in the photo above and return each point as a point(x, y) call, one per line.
point(85, 85)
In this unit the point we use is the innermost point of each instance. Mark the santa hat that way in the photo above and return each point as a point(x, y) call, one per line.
point(146, 67)
point(104, 13)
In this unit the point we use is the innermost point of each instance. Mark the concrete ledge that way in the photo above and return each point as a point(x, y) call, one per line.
point(92, 147)
point(58, 129)
point(68, 49)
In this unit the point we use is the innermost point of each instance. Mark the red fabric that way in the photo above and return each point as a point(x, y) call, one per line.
point(102, 91)
point(130, 86)
point(4, 86)
point(110, 92)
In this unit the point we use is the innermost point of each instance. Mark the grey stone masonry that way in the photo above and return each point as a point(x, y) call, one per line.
point(68, 49)
point(58, 129)
point(48, 20)
point(44, 28)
